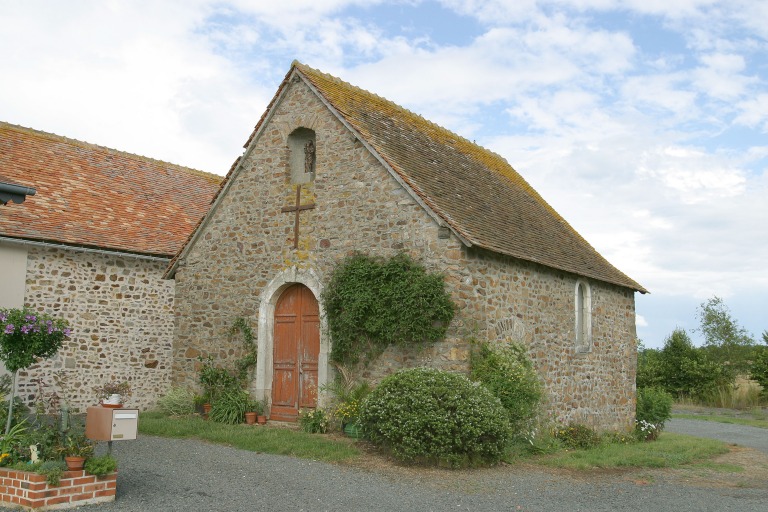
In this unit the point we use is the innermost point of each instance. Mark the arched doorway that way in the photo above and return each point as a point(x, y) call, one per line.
point(295, 354)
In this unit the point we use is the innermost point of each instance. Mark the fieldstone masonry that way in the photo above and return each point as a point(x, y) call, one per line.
point(121, 314)
point(248, 241)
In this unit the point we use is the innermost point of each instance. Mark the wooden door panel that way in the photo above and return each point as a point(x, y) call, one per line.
point(296, 353)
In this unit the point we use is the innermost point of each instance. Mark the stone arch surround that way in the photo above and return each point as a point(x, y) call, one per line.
point(262, 387)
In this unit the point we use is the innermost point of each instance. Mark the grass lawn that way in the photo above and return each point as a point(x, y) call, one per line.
point(670, 450)
point(280, 441)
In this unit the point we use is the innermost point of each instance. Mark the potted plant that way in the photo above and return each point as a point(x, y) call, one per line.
point(255, 409)
point(76, 448)
point(112, 394)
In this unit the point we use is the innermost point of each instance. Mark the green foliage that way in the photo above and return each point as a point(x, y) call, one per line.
point(46, 436)
point(26, 336)
point(508, 373)
point(670, 451)
point(347, 394)
point(52, 469)
point(649, 367)
point(230, 407)
point(759, 369)
point(101, 466)
point(215, 379)
point(20, 411)
point(76, 444)
point(576, 436)
point(687, 371)
point(372, 303)
point(313, 421)
point(9, 441)
point(247, 362)
point(177, 402)
point(435, 416)
point(726, 341)
point(278, 441)
point(654, 405)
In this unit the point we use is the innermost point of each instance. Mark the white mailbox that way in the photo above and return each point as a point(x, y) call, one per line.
point(105, 424)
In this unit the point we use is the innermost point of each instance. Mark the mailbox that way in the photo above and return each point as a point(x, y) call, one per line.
point(105, 424)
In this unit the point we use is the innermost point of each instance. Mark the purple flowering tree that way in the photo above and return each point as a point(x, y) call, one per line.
point(25, 337)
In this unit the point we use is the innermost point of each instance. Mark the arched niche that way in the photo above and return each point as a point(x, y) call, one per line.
point(302, 150)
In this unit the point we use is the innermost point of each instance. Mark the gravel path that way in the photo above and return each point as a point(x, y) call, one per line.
point(742, 435)
point(180, 475)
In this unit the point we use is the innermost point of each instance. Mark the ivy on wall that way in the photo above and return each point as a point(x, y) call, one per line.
point(371, 303)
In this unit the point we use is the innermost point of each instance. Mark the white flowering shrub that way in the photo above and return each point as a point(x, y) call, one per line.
point(433, 416)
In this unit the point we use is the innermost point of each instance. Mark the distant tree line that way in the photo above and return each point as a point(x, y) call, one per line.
point(699, 373)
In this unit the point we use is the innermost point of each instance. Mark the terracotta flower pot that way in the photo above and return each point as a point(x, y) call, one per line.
point(206, 410)
point(75, 463)
point(262, 420)
point(250, 418)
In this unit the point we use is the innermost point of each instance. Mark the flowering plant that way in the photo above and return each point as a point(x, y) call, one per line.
point(313, 421)
point(348, 412)
point(26, 335)
point(647, 431)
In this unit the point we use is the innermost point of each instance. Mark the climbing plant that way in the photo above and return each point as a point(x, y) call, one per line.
point(374, 302)
point(247, 362)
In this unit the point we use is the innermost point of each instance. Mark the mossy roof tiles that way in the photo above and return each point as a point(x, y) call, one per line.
point(472, 189)
point(93, 196)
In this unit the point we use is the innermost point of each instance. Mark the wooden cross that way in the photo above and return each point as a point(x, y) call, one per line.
point(298, 209)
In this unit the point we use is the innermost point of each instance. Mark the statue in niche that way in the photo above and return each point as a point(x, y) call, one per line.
point(309, 157)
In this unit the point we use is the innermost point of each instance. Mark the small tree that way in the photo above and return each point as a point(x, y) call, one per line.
point(25, 337)
point(686, 370)
point(725, 340)
point(759, 370)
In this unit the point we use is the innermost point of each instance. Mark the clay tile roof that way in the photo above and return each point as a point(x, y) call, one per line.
point(472, 189)
point(93, 196)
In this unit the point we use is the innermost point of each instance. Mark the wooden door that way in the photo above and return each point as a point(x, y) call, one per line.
point(296, 350)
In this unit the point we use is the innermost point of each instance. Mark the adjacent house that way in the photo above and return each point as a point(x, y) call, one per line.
point(91, 246)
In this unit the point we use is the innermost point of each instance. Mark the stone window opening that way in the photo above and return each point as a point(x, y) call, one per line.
point(583, 319)
point(302, 150)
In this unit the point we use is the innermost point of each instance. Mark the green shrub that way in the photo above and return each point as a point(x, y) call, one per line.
point(177, 402)
point(20, 412)
point(52, 469)
point(431, 415)
point(759, 370)
point(509, 374)
point(101, 466)
point(654, 405)
point(216, 380)
point(371, 303)
point(686, 370)
point(654, 408)
point(577, 436)
point(313, 421)
point(230, 407)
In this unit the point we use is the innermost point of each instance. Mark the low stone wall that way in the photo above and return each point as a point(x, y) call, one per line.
point(32, 492)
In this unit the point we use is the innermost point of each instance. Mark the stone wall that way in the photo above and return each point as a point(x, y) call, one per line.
point(120, 312)
point(231, 268)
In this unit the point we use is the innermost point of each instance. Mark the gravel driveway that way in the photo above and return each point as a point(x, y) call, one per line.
point(180, 475)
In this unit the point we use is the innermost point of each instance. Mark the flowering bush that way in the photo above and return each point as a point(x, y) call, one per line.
point(26, 336)
point(429, 415)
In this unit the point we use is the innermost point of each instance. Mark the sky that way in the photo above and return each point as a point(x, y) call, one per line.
point(644, 123)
